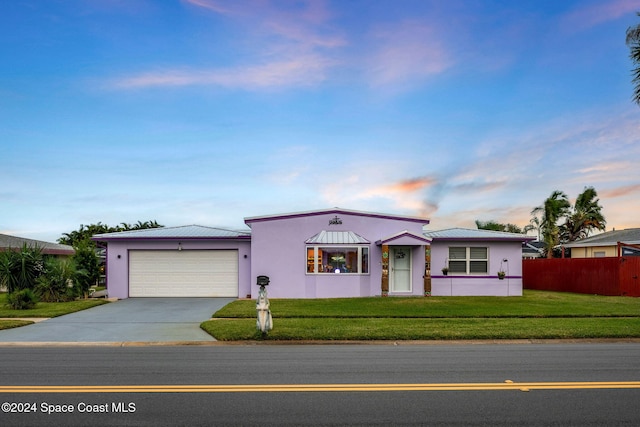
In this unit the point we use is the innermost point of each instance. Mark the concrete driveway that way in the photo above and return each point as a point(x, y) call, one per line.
point(128, 320)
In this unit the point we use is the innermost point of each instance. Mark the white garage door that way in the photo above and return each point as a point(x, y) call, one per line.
point(183, 273)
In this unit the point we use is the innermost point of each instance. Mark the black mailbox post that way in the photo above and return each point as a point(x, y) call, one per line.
point(263, 280)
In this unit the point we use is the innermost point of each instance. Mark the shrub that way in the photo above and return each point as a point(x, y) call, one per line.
point(23, 299)
point(57, 283)
point(20, 268)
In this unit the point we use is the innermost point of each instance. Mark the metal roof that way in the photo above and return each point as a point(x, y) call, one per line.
point(610, 238)
point(332, 211)
point(471, 234)
point(336, 238)
point(14, 242)
point(183, 232)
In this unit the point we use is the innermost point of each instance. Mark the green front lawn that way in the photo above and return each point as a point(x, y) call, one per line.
point(532, 304)
point(536, 315)
point(48, 309)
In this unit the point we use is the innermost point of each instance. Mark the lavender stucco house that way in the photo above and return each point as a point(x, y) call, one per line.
point(316, 254)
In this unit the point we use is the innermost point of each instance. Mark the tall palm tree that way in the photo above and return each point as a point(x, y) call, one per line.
point(555, 207)
point(633, 41)
point(534, 225)
point(585, 217)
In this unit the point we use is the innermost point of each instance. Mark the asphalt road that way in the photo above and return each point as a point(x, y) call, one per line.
point(160, 373)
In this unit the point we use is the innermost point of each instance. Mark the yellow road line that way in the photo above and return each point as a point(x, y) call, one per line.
point(305, 388)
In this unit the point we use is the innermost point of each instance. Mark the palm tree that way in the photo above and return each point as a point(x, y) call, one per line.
point(633, 41)
point(534, 225)
point(555, 207)
point(585, 217)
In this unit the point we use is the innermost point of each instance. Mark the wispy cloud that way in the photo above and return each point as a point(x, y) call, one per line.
point(593, 14)
point(621, 191)
point(411, 185)
point(293, 45)
point(214, 5)
point(407, 50)
point(360, 190)
point(296, 72)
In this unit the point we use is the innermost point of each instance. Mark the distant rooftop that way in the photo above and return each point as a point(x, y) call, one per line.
point(48, 248)
point(609, 238)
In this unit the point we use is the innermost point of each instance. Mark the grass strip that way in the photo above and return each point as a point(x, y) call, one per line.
point(48, 309)
point(8, 324)
point(425, 329)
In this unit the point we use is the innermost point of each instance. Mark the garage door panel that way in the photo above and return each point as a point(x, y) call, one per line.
point(205, 273)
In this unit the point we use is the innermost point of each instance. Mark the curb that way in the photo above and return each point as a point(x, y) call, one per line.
point(27, 319)
point(342, 342)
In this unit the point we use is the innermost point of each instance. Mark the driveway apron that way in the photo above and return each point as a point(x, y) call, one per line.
point(128, 320)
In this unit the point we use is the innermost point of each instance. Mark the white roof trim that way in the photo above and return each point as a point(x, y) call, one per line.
point(405, 233)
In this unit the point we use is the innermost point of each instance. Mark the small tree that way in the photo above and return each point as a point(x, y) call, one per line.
point(584, 217)
point(87, 266)
point(20, 269)
point(554, 207)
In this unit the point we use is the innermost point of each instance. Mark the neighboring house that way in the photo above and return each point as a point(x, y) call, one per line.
point(606, 244)
point(532, 250)
point(474, 259)
point(52, 249)
point(316, 254)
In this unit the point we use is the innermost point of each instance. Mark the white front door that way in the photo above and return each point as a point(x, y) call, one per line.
point(401, 269)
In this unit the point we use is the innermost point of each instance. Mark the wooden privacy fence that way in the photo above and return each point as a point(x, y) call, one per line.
point(600, 276)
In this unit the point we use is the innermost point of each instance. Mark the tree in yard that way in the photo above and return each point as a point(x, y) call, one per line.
point(534, 225)
point(496, 226)
point(87, 266)
point(584, 217)
point(85, 232)
point(554, 207)
point(633, 41)
point(86, 260)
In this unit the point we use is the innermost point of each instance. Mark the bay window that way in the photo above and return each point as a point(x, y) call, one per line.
point(337, 259)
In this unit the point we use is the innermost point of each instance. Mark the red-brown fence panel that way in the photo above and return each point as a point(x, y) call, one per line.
point(601, 276)
point(629, 272)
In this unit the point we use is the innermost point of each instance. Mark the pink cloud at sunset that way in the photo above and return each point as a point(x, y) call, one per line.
point(301, 71)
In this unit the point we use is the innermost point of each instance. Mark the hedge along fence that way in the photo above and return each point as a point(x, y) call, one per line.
point(616, 276)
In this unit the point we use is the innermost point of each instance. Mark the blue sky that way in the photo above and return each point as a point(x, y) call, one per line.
point(208, 111)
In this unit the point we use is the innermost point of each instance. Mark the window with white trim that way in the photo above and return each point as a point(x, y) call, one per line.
point(337, 259)
point(468, 260)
